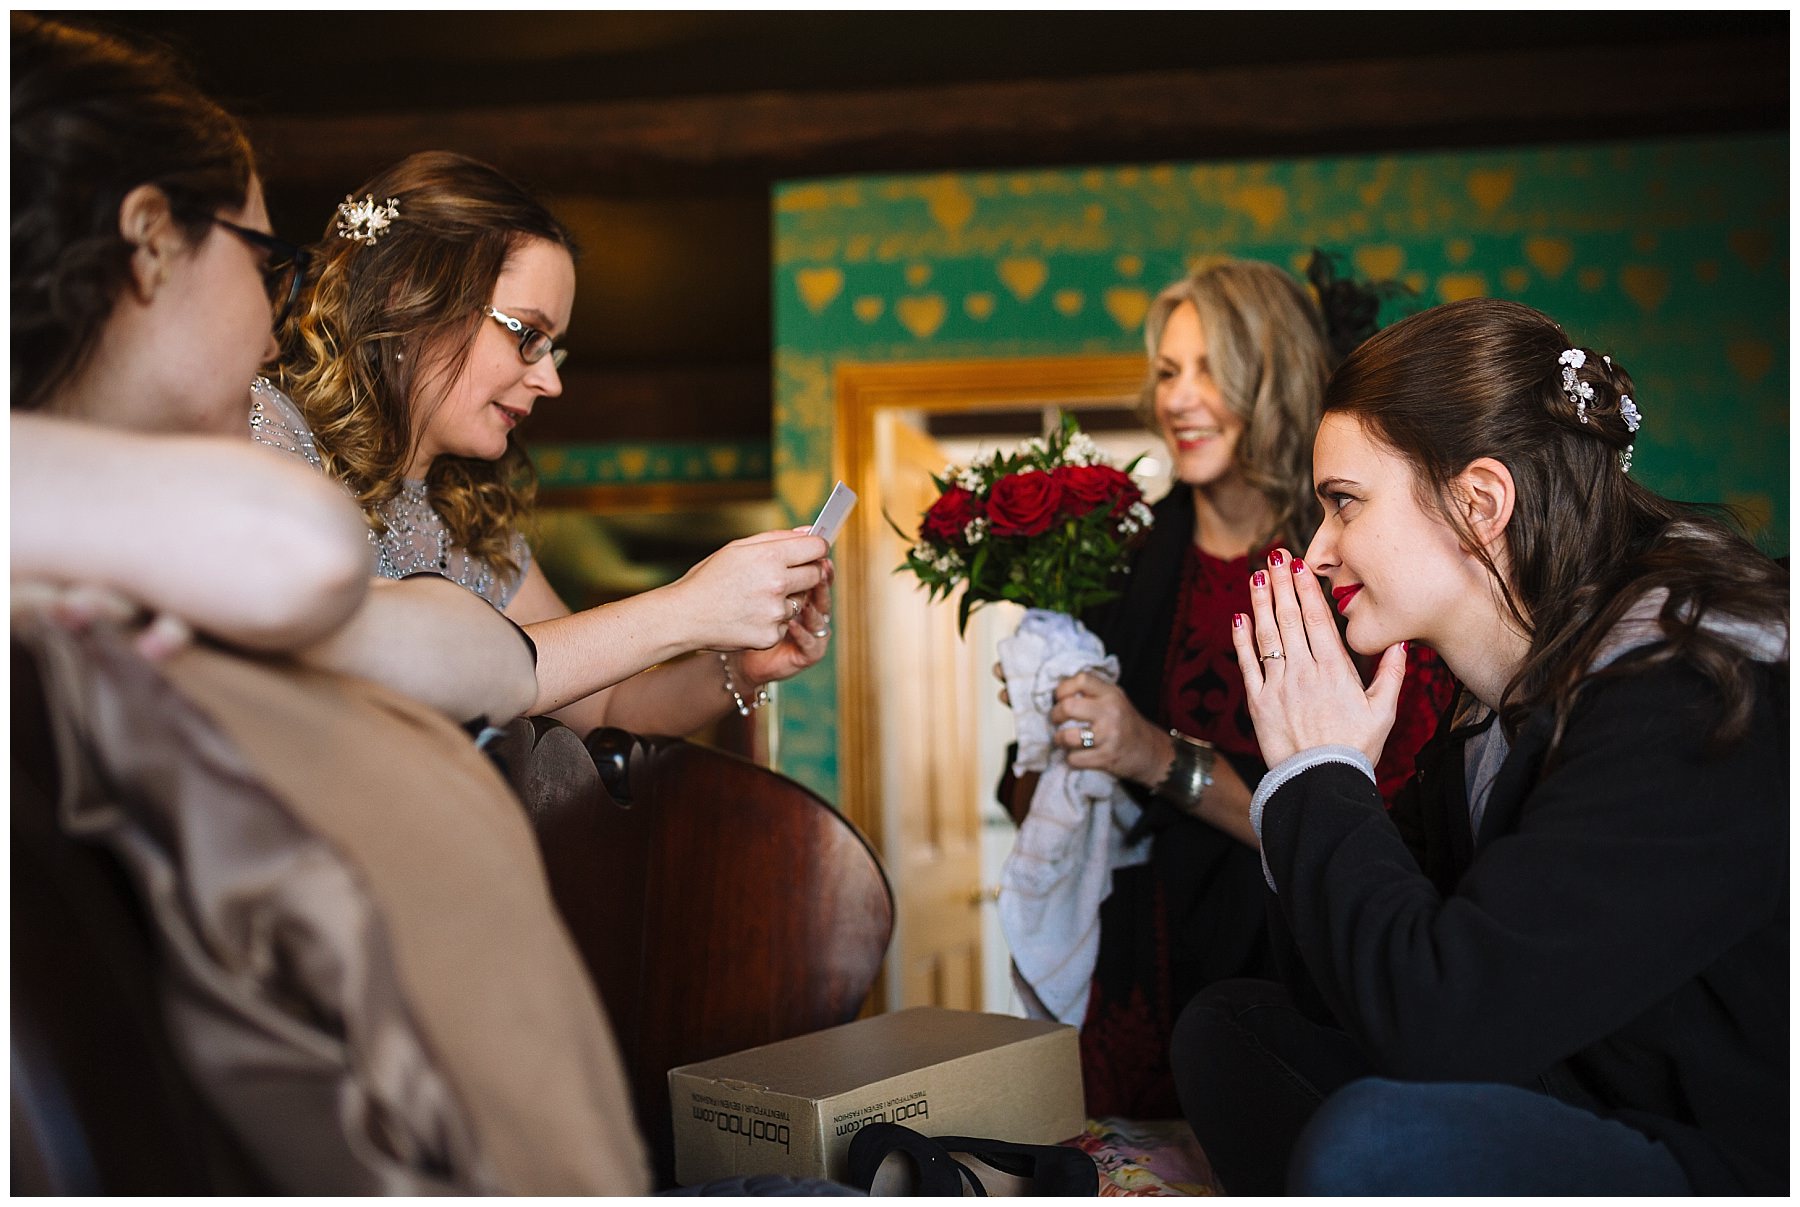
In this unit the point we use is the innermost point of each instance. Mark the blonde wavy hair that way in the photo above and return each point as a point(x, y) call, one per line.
point(374, 314)
point(1266, 347)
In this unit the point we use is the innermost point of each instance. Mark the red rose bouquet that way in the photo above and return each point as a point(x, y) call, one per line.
point(1047, 526)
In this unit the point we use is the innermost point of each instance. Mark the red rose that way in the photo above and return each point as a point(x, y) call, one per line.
point(1024, 504)
point(1085, 487)
point(949, 517)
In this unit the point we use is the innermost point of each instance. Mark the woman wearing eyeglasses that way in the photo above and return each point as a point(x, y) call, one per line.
point(140, 261)
point(427, 335)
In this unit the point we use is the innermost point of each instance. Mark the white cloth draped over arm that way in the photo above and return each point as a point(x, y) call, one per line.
point(1061, 866)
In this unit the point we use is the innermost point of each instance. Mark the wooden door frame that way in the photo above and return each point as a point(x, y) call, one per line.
point(863, 391)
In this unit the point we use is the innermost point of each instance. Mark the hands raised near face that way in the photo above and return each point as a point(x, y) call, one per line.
point(1303, 689)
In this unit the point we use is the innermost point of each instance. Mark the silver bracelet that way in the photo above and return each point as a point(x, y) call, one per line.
point(1190, 774)
point(744, 708)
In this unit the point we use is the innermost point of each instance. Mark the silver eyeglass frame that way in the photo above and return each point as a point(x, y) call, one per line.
point(525, 331)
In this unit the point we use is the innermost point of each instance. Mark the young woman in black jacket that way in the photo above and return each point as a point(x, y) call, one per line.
point(1561, 966)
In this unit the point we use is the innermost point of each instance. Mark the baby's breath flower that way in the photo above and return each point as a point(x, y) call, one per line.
point(1083, 451)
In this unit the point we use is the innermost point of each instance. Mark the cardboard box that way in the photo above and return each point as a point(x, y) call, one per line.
point(793, 1107)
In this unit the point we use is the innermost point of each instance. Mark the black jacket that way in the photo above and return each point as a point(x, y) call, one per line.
point(1616, 934)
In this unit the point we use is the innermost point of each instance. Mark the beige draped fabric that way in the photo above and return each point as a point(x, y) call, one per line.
point(366, 975)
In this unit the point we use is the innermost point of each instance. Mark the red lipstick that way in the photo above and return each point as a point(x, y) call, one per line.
point(1342, 595)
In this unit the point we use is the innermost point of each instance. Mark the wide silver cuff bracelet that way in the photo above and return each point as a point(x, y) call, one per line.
point(1190, 775)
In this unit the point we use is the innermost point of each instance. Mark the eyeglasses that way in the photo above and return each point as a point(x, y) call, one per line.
point(534, 345)
point(284, 266)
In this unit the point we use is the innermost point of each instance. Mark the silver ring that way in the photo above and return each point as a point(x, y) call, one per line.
point(1087, 738)
point(824, 632)
point(1272, 656)
point(794, 604)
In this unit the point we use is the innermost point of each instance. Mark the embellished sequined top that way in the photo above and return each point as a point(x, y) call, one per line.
point(416, 539)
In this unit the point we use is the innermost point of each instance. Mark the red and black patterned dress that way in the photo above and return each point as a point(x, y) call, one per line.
point(1196, 914)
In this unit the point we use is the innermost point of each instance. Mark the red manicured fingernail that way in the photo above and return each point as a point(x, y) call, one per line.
point(1299, 566)
point(1237, 620)
point(1275, 558)
point(1259, 579)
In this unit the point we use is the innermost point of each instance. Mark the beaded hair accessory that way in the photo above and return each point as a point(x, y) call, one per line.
point(364, 221)
point(1581, 393)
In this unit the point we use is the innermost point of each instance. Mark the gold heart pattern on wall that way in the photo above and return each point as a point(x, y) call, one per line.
point(1751, 359)
point(1490, 187)
point(1266, 204)
point(1023, 275)
point(1456, 286)
point(818, 286)
point(1380, 263)
point(1549, 256)
point(1646, 286)
point(1752, 247)
point(1127, 306)
point(921, 315)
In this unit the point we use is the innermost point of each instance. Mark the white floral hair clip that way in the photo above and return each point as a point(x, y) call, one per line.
point(364, 221)
point(1579, 392)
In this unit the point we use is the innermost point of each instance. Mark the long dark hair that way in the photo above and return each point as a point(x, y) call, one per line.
point(94, 117)
point(350, 354)
point(1586, 542)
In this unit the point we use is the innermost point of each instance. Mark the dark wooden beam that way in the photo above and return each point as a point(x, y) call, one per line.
point(722, 403)
point(631, 147)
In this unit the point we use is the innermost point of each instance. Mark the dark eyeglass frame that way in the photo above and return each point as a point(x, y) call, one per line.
point(527, 334)
point(282, 257)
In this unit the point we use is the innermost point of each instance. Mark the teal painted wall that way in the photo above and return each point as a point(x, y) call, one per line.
point(1670, 255)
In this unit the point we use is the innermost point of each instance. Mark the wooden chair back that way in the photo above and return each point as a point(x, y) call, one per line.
point(718, 904)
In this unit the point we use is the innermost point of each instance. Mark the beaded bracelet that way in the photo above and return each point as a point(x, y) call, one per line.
point(1190, 774)
point(744, 709)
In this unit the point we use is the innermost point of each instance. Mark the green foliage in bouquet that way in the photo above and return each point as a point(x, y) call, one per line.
point(1048, 525)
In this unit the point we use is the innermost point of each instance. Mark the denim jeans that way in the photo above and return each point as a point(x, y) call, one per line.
point(1379, 1137)
point(1282, 1104)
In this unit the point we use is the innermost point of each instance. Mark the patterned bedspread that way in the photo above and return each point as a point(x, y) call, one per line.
point(1146, 1157)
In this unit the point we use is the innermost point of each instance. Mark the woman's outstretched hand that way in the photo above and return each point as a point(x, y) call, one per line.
point(1302, 686)
point(803, 643)
point(750, 594)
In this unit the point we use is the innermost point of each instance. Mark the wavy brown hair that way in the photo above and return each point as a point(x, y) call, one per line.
point(350, 356)
point(94, 117)
point(1586, 542)
point(1265, 342)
